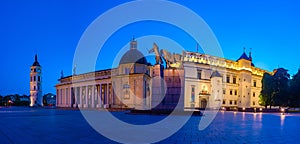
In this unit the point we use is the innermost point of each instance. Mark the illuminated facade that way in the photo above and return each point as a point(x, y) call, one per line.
point(193, 80)
point(238, 84)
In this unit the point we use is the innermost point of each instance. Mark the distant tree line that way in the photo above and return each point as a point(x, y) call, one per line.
point(49, 99)
point(280, 90)
point(14, 100)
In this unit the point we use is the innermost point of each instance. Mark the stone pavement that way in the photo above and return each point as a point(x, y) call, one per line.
point(26, 125)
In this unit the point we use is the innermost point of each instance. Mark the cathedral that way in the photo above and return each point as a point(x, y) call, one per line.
point(186, 81)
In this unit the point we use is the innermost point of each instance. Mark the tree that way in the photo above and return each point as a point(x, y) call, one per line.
point(281, 87)
point(295, 91)
point(267, 91)
point(1, 98)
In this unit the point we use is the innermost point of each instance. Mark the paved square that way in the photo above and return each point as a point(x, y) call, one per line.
point(29, 125)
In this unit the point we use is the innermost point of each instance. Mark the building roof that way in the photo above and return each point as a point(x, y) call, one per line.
point(36, 63)
point(244, 56)
point(215, 74)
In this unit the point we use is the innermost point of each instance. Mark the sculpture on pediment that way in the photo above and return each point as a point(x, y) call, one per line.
point(172, 60)
point(168, 57)
point(155, 49)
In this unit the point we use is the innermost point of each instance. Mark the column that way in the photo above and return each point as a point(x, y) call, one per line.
point(75, 96)
point(107, 95)
point(71, 98)
point(80, 97)
point(57, 97)
point(65, 91)
point(93, 96)
point(86, 97)
point(63, 97)
point(112, 93)
point(100, 95)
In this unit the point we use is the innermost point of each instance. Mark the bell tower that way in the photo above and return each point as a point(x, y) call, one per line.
point(36, 98)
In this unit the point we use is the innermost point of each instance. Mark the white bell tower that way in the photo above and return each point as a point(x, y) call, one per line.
point(36, 98)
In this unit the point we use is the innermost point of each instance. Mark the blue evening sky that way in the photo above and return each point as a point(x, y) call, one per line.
point(52, 29)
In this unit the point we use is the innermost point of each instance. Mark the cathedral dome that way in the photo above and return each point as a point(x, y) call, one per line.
point(133, 56)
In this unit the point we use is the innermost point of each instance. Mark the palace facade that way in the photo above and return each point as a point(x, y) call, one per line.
point(193, 80)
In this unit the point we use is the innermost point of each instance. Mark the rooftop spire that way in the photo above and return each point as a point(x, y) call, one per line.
point(36, 63)
point(133, 44)
point(250, 54)
point(35, 58)
point(244, 55)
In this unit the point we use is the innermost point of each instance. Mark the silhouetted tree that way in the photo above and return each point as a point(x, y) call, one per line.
point(1, 98)
point(45, 100)
point(267, 91)
point(295, 91)
point(281, 87)
point(6, 100)
point(13, 100)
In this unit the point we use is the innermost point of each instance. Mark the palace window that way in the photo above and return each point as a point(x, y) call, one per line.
point(193, 94)
point(230, 102)
point(126, 71)
point(253, 94)
point(234, 80)
point(224, 102)
point(235, 102)
point(224, 91)
point(126, 88)
point(34, 79)
point(227, 79)
point(230, 92)
point(253, 102)
point(254, 83)
point(199, 74)
point(235, 92)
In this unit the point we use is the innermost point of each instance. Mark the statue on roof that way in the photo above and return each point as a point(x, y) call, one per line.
point(155, 49)
point(74, 70)
point(62, 74)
